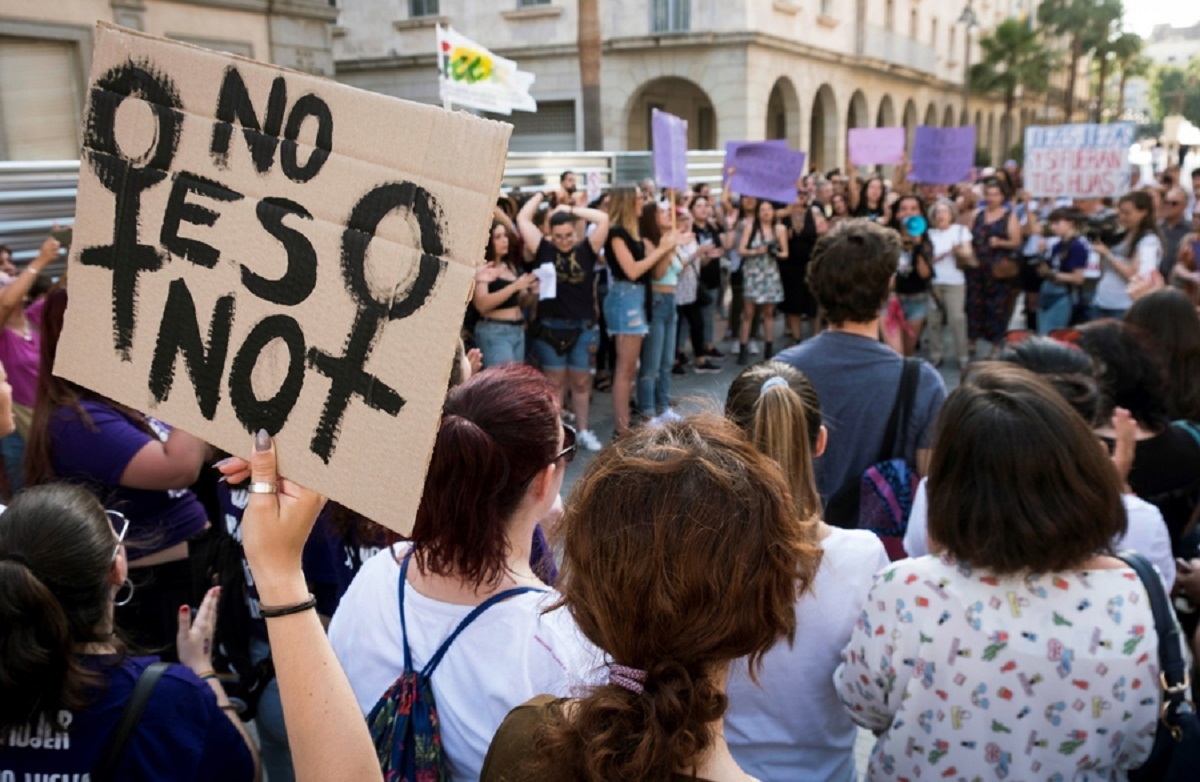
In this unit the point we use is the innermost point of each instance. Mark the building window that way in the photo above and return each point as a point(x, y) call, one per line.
point(912, 24)
point(953, 42)
point(889, 16)
point(528, 3)
point(422, 8)
point(933, 31)
point(40, 95)
point(670, 16)
point(826, 7)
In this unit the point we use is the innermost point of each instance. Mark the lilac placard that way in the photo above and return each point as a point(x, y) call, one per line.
point(876, 146)
point(670, 150)
point(942, 156)
point(766, 170)
point(731, 148)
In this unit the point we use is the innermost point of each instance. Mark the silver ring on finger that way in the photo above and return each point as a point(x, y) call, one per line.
point(261, 487)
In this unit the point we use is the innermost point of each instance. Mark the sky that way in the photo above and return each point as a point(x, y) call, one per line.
point(1142, 15)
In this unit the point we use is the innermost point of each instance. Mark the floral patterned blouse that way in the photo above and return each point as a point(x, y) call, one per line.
point(972, 675)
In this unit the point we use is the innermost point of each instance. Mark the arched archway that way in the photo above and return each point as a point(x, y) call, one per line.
point(931, 116)
point(886, 116)
point(857, 115)
point(824, 130)
point(680, 97)
point(783, 113)
point(948, 117)
point(910, 121)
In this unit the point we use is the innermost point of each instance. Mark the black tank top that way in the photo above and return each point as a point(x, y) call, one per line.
point(512, 301)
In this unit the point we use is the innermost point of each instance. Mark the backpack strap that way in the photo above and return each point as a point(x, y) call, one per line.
point(106, 769)
point(427, 671)
point(893, 438)
point(1172, 666)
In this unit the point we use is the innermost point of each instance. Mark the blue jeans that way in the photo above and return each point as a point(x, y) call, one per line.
point(1054, 307)
point(272, 733)
point(658, 355)
point(500, 343)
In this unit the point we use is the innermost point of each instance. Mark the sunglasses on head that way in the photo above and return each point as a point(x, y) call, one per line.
point(567, 454)
point(1068, 337)
point(120, 525)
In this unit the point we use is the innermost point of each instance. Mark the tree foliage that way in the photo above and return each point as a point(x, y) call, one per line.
point(1176, 90)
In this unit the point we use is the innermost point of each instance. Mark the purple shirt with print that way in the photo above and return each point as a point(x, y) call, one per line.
point(97, 456)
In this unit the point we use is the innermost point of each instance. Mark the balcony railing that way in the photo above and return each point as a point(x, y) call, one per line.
point(883, 44)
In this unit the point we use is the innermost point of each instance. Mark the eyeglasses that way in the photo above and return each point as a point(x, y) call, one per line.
point(1173, 203)
point(567, 454)
point(113, 517)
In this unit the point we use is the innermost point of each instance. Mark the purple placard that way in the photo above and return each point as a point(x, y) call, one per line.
point(942, 156)
point(766, 170)
point(876, 146)
point(731, 148)
point(670, 150)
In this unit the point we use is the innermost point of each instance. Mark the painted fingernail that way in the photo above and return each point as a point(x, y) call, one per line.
point(183, 609)
point(223, 462)
point(262, 441)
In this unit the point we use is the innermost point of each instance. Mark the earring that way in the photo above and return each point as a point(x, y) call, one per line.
point(129, 596)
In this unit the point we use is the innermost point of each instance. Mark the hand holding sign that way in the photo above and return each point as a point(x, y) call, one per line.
point(303, 276)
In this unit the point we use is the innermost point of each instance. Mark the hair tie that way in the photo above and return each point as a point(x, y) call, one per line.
point(14, 558)
point(632, 679)
point(773, 383)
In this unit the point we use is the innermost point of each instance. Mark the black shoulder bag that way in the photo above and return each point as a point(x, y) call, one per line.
point(106, 769)
point(1175, 756)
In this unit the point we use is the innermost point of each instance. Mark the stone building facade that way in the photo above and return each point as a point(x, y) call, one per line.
point(45, 53)
point(802, 70)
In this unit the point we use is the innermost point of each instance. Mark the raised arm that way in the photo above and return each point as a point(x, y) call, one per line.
point(598, 218)
point(14, 293)
point(529, 232)
point(326, 730)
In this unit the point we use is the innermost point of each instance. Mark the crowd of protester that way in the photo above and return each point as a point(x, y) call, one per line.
point(718, 597)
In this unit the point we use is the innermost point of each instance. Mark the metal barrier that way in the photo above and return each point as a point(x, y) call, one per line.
point(36, 194)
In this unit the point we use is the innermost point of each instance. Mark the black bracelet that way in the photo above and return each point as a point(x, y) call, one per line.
point(271, 612)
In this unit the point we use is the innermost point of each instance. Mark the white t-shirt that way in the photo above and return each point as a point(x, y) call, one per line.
point(509, 654)
point(946, 271)
point(791, 725)
point(1111, 293)
point(1146, 533)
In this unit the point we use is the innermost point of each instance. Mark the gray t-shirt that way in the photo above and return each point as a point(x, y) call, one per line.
point(857, 379)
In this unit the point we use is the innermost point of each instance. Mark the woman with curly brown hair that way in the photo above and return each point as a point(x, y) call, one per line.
point(682, 554)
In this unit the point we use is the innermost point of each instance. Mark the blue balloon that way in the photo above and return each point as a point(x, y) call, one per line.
point(915, 225)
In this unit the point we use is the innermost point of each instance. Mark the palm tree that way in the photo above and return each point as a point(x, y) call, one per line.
point(1015, 58)
point(589, 73)
point(1132, 64)
point(1086, 24)
point(1108, 53)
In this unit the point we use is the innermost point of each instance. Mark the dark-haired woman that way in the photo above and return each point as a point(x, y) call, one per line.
point(1137, 256)
point(914, 271)
point(134, 464)
point(496, 470)
point(668, 538)
point(871, 200)
point(1164, 462)
point(785, 722)
point(1015, 649)
point(1169, 321)
point(65, 677)
point(805, 223)
point(996, 236)
point(763, 245)
point(501, 289)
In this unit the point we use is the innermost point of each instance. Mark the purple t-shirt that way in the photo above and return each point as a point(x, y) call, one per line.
point(22, 357)
point(182, 735)
point(97, 456)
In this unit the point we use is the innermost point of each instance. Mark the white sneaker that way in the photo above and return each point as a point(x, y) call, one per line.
point(669, 416)
point(755, 348)
point(587, 438)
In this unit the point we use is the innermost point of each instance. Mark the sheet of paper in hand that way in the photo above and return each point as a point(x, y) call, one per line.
point(257, 248)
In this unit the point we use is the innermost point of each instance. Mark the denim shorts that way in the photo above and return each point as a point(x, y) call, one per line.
point(582, 354)
point(625, 309)
point(915, 305)
point(500, 342)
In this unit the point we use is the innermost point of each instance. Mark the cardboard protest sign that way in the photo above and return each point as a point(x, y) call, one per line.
point(766, 171)
point(942, 156)
point(594, 188)
point(731, 148)
point(670, 150)
point(1078, 161)
point(876, 146)
point(257, 248)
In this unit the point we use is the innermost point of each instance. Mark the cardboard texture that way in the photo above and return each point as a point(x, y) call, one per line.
point(1078, 161)
point(942, 156)
point(260, 248)
point(876, 146)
